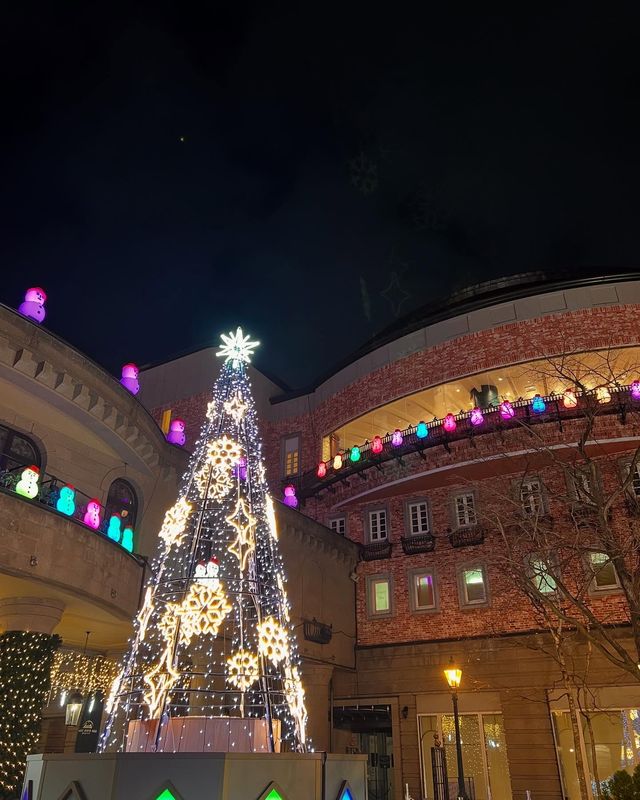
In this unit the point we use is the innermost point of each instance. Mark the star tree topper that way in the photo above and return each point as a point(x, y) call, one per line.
point(236, 348)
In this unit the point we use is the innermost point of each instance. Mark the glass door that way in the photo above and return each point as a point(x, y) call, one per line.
point(484, 754)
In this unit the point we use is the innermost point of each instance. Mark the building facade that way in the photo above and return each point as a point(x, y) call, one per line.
point(406, 452)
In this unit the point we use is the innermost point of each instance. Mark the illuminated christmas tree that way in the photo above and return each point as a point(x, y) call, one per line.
point(213, 664)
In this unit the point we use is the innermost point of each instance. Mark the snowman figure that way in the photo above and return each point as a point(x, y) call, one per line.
point(127, 539)
point(92, 514)
point(200, 573)
point(176, 433)
point(33, 305)
point(129, 378)
point(113, 531)
point(27, 486)
point(65, 503)
point(213, 571)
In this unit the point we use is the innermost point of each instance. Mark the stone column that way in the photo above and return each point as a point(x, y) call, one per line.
point(36, 614)
point(315, 679)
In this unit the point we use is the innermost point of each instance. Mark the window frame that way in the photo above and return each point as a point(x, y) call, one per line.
point(13, 433)
point(408, 504)
point(550, 564)
point(465, 604)
point(412, 575)
point(594, 589)
point(454, 509)
point(370, 583)
point(367, 522)
point(625, 469)
point(543, 496)
point(283, 454)
point(109, 511)
point(336, 518)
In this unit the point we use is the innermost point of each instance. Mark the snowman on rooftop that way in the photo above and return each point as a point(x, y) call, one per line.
point(33, 304)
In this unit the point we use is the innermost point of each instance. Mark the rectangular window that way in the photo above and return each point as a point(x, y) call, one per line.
point(531, 497)
point(541, 575)
point(291, 458)
point(474, 590)
point(634, 486)
point(604, 571)
point(465, 510)
point(379, 595)
point(377, 525)
point(339, 525)
point(418, 517)
point(582, 486)
point(423, 588)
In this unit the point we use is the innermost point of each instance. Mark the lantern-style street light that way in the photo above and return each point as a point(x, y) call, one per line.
point(73, 709)
point(453, 675)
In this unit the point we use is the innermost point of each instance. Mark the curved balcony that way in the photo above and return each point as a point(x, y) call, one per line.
point(466, 425)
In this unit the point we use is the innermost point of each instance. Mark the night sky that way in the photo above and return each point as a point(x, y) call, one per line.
point(168, 173)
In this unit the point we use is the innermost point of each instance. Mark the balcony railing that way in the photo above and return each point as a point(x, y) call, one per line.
point(466, 537)
point(418, 543)
point(376, 550)
point(60, 497)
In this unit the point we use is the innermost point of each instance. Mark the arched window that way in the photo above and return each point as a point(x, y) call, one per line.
point(17, 450)
point(122, 500)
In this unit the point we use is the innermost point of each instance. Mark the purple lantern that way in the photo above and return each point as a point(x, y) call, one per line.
point(507, 411)
point(396, 438)
point(176, 433)
point(635, 390)
point(129, 378)
point(449, 423)
point(476, 417)
point(290, 498)
point(240, 469)
point(33, 305)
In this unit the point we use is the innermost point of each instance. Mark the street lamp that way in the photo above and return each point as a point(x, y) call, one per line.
point(73, 709)
point(453, 675)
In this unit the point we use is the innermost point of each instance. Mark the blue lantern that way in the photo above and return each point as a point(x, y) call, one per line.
point(538, 405)
point(422, 431)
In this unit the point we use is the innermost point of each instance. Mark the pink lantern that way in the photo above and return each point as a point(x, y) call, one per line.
point(176, 433)
point(33, 305)
point(92, 514)
point(322, 469)
point(569, 399)
point(635, 390)
point(396, 438)
point(376, 445)
point(476, 417)
point(290, 498)
point(507, 411)
point(449, 423)
point(129, 378)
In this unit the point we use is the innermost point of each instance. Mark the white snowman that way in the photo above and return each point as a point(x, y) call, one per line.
point(207, 573)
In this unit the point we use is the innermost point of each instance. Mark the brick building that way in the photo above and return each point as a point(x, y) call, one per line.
point(385, 451)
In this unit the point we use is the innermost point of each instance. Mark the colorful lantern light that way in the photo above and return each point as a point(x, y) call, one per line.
point(129, 378)
point(322, 469)
point(449, 423)
point(476, 417)
point(538, 405)
point(569, 399)
point(376, 445)
point(421, 430)
point(290, 498)
point(396, 438)
point(92, 514)
point(33, 305)
point(354, 455)
point(176, 433)
point(337, 461)
point(507, 411)
point(127, 539)
point(113, 531)
point(603, 394)
point(240, 469)
point(65, 503)
point(634, 390)
point(27, 486)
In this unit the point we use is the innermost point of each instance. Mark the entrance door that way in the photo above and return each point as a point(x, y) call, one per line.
point(372, 735)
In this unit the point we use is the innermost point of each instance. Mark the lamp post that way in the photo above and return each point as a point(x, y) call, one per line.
point(453, 675)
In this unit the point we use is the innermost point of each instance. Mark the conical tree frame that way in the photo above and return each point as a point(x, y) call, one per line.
point(213, 641)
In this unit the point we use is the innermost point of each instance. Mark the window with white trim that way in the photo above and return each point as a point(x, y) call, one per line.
point(541, 575)
point(418, 517)
point(604, 572)
point(473, 585)
point(378, 525)
point(423, 591)
point(338, 525)
point(465, 509)
point(531, 497)
point(634, 485)
point(291, 456)
point(379, 595)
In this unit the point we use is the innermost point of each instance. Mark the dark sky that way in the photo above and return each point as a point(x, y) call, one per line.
point(169, 172)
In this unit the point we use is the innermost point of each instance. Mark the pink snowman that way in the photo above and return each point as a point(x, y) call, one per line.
point(33, 305)
point(176, 433)
point(129, 378)
point(92, 514)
